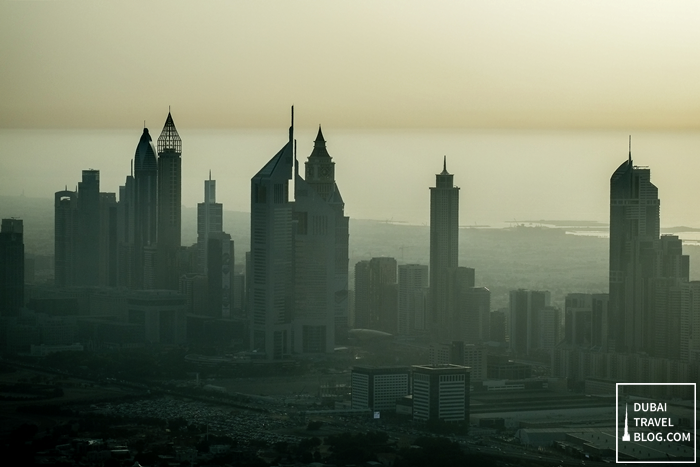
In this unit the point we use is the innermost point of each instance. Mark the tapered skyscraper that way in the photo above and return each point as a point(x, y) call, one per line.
point(634, 226)
point(169, 205)
point(271, 289)
point(145, 210)
point(444, 241)
point(649, 291)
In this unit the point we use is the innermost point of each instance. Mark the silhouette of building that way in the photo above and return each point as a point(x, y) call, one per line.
point(320, 255)
point(441, 392)
point(526, 317)
point(586, 320)
point(65, 228)
point(472, 322)
point(11, 267)
point(378, 388)
point(145, 205)
point(209, 221)
point(413, 294)
point(85, 234)
point(271, 245)
point(376, 295)
point(648, 274)
point(169, 206)
point(220, 260)
point(444, 244)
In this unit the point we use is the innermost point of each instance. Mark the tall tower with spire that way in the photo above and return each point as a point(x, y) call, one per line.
point(271, 252)
point(169, 205)
point(444, 244)
point(648, 275)
point(320, 255)
point(634, 227)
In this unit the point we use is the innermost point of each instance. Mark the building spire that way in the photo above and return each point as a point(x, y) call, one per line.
point(630, 153)
point(169, 139)
point(444, 166)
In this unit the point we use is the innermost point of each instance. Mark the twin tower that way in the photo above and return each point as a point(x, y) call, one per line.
point(298, 265)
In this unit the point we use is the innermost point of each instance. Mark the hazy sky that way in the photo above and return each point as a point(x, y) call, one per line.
point(399, 64)
point(503, 88)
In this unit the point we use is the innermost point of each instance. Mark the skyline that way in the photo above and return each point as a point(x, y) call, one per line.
point(504, 176)
point(510, 93)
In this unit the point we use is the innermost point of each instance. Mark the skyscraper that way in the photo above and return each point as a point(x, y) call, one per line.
point(145, 209)
point(11, 267)
point(649, 294)
point(413, 287)
point(271, 288)
point(65, 220)
point(444, 244)
point(209, 221)
point(85, 229)
point(526, 319)
point(320, 255)
point(88, 233)
point(169, 205)
point(376, 295)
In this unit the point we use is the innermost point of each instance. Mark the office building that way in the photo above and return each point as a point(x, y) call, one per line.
point(169, 206)
point(376, 295)
point(11, 267)
point(378, 388)
point(441, 392)
point(85, 234)
point(526, 314)
point(585, 320)
point(320, 255)
point(210, 220)
point(648, 290)
point(65, 227)
point(444, 244)
point(472, 323)
point(412, 300)
point(271, 246)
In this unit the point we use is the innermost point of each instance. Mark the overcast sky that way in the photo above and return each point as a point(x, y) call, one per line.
point(355, 64)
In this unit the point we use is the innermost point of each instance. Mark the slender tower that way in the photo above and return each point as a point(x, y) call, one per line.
point(444, 241)
point(145, 209)
point(271, 300)
point(634, 230)
point(320, 255)
point(169, 205)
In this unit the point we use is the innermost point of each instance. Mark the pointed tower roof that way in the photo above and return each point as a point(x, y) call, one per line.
point(169, 140)
point(320, 146)
point(145, 157)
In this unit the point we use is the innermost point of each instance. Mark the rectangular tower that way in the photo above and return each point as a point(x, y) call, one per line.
point(320, 255)
point(444, 244)
point(413, 287)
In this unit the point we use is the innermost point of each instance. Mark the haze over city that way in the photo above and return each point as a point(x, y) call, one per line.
point(373, 233)
point(525, 100)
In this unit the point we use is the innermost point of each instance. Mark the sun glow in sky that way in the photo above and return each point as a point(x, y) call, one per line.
point(360, 64)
